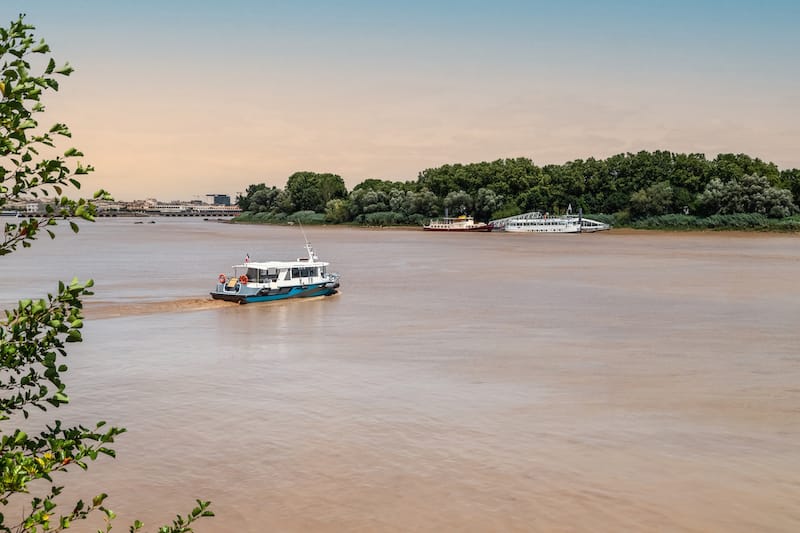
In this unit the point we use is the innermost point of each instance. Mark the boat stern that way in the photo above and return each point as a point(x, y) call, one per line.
point(233, 289)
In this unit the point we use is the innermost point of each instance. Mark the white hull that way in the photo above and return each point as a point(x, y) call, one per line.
point(462, 223)
point(543, 227)
point(535, 222)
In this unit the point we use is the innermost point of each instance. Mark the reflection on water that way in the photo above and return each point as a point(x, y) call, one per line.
point(608, 382)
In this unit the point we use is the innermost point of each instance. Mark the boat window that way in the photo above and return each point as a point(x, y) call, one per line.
point(304, 272)
point(295, 272)
point(252, 274)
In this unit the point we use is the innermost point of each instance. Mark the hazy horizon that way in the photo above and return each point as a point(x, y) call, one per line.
point(178, 100)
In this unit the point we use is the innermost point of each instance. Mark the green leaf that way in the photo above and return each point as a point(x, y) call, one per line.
point(60, 397)
point(66, 70)
point(40, 48)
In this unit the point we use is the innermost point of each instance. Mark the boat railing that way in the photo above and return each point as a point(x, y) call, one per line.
point(586, 223)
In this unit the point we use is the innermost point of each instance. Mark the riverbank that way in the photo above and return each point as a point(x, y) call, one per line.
point(793, 226)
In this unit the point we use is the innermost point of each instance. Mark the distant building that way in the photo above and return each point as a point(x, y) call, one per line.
point(219, 199)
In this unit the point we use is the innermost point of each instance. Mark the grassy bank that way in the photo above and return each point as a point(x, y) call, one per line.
point(738, 222)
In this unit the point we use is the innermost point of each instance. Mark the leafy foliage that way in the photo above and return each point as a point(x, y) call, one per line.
point(311, 191)
point(34, 335)
point(746, 194)
point(632, 186)
point(306, 217)
point(458, 203)
point(384, 218)
point(654, 200)
point(28, 166)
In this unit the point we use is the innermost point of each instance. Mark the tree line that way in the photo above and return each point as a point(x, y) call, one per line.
point(626, 188)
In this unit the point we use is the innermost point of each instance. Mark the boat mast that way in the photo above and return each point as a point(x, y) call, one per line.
point(311, 255)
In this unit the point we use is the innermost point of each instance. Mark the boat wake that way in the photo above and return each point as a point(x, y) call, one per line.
point(96, 310)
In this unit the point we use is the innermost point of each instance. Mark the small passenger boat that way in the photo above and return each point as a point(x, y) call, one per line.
point(462, 223)
point(277, 280)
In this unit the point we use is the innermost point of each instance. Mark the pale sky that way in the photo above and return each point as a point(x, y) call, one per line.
point(177, 99)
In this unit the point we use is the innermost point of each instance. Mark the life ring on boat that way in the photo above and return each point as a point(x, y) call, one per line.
point(222, 279)
point(243, 278)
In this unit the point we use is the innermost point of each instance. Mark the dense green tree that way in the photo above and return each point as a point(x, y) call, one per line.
point(331, 187)
point(564, 186)
point(746, 194)
point(458, 203)
point(303, 189)
point(311, 191)
point(790, 180)
point(34, 335)
point(654, 200)
point(337, 211)
point(386, 185)
point(265, 200)
point(373, 201)
point(422, 202)
point(486, 203)
point(508, 209)
point(727, 167)
point(638, 184)
point(243, 201)
point(690, 172)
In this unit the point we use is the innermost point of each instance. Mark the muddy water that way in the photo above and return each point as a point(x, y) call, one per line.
point(620, 381)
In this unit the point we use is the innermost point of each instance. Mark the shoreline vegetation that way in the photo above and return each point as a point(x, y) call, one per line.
point(657, 190)
point(692, 224)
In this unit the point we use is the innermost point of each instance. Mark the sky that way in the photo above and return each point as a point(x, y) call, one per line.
point(178, 99)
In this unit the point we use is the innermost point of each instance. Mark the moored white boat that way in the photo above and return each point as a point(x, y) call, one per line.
point(277, 280)
point(461, 223)
point(544, 224)
point(536, 222)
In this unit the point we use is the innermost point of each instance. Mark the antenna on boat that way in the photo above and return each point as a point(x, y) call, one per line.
point(304, 231)
point(311, 255)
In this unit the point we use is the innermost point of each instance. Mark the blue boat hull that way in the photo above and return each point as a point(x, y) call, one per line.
point(321, 289)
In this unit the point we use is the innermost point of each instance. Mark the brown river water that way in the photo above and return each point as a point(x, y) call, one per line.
point(618, 381)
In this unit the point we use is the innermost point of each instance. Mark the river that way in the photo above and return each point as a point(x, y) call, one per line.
point(618, 381)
